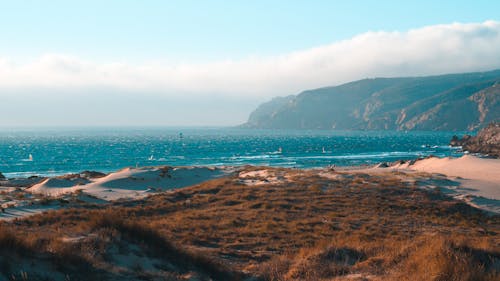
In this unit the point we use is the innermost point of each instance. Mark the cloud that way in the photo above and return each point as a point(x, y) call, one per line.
point(429, 50)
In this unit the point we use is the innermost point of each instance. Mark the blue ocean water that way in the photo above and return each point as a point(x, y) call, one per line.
point(60, 151)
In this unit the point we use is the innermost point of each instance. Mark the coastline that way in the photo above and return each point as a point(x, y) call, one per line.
point(468, 178)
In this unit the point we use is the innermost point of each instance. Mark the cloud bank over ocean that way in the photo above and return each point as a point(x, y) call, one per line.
point(447, 48)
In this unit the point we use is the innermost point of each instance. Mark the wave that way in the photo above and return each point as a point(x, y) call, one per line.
point(253, 157)
point(392, 154)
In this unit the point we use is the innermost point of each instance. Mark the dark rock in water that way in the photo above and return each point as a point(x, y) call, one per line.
point(456, 141)
point(2, 177)
point(487, 141)
point(92, 174)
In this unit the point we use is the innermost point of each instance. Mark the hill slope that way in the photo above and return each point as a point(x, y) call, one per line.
point(446, 102)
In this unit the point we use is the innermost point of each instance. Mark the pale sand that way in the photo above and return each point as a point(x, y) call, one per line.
point(260, 177)
point(471, 179)
point(131, 183)
point(481, 176)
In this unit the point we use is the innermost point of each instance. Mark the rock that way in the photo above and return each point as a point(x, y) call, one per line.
point(487, 141)
point(2, 177)
point(456, 141)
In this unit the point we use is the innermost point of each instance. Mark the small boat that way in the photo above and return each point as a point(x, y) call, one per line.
point(324, 151)
point(30, 158)
point(151, 158)
point(279, 151)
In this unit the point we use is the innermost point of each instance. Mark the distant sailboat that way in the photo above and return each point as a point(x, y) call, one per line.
point(30, 158)
point(280, 150)
point(324, 151)
point(151, 158)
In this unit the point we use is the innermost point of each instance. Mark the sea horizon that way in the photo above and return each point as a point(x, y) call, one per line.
point(52, 152)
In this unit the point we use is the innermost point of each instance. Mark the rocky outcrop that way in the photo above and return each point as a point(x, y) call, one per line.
point(487, 141)
point(456, 141)
point(2, 177)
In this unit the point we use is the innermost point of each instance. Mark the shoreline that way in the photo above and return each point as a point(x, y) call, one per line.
point(470, 179)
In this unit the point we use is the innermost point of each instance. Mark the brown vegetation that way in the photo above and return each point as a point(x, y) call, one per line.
point(357, 226)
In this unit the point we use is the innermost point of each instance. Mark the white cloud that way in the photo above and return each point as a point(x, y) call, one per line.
point(429, 50)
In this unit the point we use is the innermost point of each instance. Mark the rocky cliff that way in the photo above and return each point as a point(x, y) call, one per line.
point(460, 102)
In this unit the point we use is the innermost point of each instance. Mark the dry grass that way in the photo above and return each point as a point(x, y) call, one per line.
point(93, 254)
point(360, 226)
point(426, 257)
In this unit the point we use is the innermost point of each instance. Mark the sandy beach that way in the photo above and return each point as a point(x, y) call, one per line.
point(471, 179)
point(480, 175)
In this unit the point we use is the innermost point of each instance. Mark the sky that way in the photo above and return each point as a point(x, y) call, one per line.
point(210, 63)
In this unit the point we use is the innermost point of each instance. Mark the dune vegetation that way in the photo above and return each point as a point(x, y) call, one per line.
point(299, 226)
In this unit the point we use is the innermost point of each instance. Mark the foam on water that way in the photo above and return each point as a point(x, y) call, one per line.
point(64, 151)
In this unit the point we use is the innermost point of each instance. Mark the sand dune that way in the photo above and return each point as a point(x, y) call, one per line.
point(480, 175)
point(468, 178)
point(130, 182)
point(57, 186)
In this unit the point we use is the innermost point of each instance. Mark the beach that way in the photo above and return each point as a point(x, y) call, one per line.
point(471, 179)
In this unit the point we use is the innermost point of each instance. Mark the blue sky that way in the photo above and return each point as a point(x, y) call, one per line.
point(187, 30)
point(107, 63)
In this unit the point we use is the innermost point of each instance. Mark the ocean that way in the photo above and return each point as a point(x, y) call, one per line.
point(59, 151)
